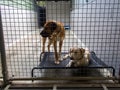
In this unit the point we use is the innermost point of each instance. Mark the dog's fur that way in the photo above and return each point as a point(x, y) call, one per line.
point(79, 57)
point(55, 32)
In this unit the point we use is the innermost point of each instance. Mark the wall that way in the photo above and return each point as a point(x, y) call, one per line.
point(18, 22)
point(59, 11)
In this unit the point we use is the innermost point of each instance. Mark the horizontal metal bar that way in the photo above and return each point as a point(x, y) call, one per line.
point(99, 67)
point(105, 67)
point(52, 0)
point(64, 78)
point(60, 85)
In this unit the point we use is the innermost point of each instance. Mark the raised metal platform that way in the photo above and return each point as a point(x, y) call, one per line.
point(95, 68)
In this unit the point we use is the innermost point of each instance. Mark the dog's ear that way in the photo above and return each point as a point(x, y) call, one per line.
point(71, 50)
point(82, 50)
point(50, 25)
point(53, 26)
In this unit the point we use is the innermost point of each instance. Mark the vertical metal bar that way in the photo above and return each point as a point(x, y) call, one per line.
point(3, 54)
point(119, 74)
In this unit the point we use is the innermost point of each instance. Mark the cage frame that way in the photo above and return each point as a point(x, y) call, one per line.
point(4, 69)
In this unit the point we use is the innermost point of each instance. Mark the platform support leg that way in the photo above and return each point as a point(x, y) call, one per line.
point(54, 87)
point(104, 87)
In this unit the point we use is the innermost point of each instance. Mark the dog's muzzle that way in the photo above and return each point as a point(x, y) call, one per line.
point(44, 34)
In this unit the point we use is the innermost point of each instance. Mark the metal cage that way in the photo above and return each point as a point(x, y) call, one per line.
point(90, 24)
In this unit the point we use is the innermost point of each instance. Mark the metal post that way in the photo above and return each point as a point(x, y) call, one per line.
point(119, 74)
point(3, 54)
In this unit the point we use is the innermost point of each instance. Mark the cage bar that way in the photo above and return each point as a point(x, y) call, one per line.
point(3, 55)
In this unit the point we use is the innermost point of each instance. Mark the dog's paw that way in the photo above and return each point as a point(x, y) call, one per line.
point(68, 65)
point(65, 57)
point(57, 62)
point(61, 58)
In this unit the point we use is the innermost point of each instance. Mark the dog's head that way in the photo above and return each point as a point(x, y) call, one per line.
point(76, 53)
point(48, 29)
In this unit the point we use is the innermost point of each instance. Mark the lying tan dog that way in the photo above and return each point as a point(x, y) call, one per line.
point(79, 57)
point(55, 32)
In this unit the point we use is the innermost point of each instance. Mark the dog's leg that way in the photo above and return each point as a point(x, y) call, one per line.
point(60, 48)
point(43, 47)
point(49, 44)
point(56, 54)
point(69, 64)
point(66, 56)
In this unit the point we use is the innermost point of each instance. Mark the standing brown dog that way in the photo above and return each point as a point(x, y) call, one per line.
point(54, 31)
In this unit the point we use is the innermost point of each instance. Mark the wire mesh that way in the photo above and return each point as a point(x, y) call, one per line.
point(93, 24)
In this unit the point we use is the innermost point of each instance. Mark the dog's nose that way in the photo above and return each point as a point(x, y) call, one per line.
point(41, 33)
point(44, 34)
